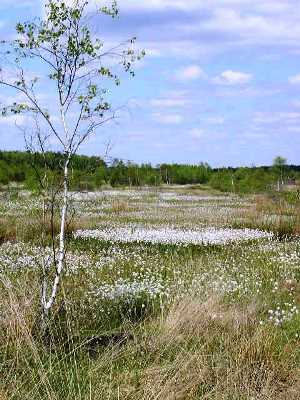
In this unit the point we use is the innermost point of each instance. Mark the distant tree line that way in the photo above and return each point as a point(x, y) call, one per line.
point(90, 173)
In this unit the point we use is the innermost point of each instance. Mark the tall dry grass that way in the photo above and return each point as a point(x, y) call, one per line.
point(29, 229)
point(221, 353)
point(273, 213)
point(197, 350)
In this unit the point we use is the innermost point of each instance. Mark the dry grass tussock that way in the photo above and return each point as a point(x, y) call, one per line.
point(18, 347)
point(18, 312)
point(200, 350)
point(3, 396)
point(275, 214)
point(30, 228)
point(293, 391)
point(119, 206)
point(273, 205)
point(218, 353)
point(193, 317)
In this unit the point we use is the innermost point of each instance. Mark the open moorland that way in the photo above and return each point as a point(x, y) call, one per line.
point(177, 292)
point(153, 275)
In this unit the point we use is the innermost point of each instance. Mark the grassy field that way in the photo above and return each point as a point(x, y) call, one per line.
point(172, 294)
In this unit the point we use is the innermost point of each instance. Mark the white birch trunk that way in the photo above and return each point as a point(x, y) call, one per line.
point(47, 304)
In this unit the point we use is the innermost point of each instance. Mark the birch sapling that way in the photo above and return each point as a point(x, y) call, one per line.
point(78, 68)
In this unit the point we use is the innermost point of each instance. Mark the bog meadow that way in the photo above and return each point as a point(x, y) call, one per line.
point(177, 292)
point(123, 280)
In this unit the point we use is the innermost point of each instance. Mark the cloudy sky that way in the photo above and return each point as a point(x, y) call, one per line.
point(220, 82)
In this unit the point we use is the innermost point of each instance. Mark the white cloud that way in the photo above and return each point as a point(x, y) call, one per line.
point(235, 24)
point(293, 129)
point(172, 99)
point(196, 133)
point(295, 80)
point(281, 117)
point(189, 73)
point(168, 119)
point(295, 103)
point(160, 4)
point(215, 120)
point(289, 115)
point(253, 24)
point(168, 103)
point(151, 50)
point(178, 99)
point(230, 77)
point(13, 120)
point(18, 4)
point(267, 6)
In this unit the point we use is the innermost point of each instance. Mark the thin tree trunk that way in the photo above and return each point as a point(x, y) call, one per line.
point(47, 304)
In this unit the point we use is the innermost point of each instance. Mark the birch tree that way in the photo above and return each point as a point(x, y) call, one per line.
point(74, 65)
point(279, 164)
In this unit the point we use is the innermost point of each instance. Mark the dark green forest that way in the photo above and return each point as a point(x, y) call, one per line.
point(90, 173)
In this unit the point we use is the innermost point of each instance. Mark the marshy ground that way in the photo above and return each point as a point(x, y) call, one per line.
point(170, 293)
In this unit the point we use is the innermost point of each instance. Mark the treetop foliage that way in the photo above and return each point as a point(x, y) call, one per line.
point(90, 173)
point(75, 60)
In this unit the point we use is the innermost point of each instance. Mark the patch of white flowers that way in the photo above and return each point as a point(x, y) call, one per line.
point(172, 196)
point(23, 256)
point(129, 289)
point(132, 194)
point(113, 274)
point(166, 235)
point(283, 313)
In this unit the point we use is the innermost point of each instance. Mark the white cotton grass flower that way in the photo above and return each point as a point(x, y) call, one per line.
point(168, 235)
point(282, 313)
point(128, 289)
point(23, 256)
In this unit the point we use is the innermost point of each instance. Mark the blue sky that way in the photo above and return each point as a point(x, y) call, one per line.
point(220, 82)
